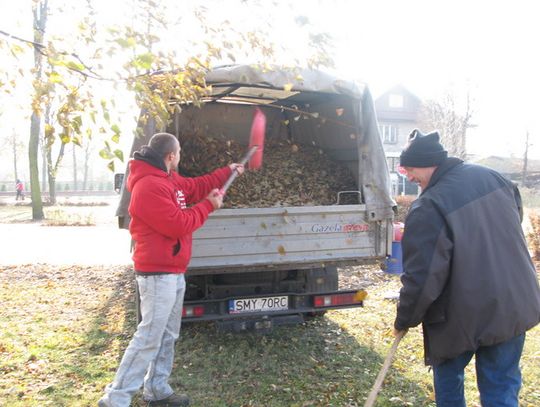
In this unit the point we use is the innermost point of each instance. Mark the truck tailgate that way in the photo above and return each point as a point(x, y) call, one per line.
point(296, 237)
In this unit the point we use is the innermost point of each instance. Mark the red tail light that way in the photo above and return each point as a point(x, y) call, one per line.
point(338, 299)
point(193, 311)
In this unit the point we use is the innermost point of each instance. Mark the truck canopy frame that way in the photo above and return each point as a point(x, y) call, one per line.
point(343, 108)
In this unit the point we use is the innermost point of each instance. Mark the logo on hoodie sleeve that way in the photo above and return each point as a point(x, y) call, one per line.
point(181, 199)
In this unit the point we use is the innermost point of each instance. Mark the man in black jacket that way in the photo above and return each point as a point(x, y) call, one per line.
point(468, 276)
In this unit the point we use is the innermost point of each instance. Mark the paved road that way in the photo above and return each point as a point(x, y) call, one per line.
point(28, 243)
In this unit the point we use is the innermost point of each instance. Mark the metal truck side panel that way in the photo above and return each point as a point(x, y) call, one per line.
point(236, 238)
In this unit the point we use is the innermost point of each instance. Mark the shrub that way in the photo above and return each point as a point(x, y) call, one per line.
point(534, 235)
point(530, 197)
point(404, 204)
point(59, 217)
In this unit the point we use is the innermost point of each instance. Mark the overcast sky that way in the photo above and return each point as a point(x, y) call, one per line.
point(489, 49)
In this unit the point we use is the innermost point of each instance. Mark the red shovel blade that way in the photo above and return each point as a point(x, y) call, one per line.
point(256, 138)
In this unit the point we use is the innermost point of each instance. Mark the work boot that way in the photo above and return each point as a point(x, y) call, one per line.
point(174, 400)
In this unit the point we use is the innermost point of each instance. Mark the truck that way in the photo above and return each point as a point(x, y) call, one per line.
point(254, 268)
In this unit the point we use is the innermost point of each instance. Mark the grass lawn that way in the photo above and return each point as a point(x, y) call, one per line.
point(74, 211)
point(64, 328)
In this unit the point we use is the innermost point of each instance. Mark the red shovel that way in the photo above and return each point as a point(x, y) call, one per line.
point(256, 147)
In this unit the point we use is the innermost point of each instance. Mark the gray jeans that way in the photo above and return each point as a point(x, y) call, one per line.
point(149, 356)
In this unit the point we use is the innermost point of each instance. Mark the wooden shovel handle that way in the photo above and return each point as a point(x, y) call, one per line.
point(382, 374)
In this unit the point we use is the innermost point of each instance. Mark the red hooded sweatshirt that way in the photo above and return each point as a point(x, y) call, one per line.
point(161, 223)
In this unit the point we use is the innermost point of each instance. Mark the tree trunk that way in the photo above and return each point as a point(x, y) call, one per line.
point(525, 162)
point(39, 11)
point(53, 170)
point(51, 177)
point(15, 157)
point(75, 181)
point(43, 168)
point(46, 162)
point(37, 204)
point(52, 188)
point(87, 151)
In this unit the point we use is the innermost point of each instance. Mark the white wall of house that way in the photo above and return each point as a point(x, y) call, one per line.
point(397, 113)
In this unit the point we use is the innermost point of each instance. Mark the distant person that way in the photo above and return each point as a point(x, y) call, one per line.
point(161, 227)
point(19, 188)
point(468, 276)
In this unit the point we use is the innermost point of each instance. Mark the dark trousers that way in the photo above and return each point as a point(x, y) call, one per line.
point(497, 371)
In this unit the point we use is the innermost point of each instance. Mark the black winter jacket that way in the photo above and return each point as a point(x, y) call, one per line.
point(468, 276)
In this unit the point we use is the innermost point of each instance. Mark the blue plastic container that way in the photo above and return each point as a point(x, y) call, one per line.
point(394, 263)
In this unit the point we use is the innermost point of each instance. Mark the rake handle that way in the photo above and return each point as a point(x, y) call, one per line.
point(234, 174)
point(382, 373)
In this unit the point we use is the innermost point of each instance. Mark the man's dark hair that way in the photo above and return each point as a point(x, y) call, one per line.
point(163, 143)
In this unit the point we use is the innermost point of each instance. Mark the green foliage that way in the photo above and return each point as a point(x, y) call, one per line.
point(119, 154)
point(129, 42)
point(55, 77)
point(105, 153)
point(116, 130)
point(137, 55)
point(143, 61)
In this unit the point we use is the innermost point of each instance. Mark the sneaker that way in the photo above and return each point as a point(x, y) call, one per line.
point(174, 400)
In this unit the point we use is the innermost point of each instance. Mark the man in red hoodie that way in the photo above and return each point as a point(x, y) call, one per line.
point(161, 227)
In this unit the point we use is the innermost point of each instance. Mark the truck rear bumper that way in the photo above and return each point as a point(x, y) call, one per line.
point(259, 324)
point(298, 304)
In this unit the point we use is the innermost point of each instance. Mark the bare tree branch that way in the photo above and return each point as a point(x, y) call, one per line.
point(41, 48)
point(442, 116)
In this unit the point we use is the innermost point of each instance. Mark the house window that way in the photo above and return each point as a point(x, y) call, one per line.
point(389, 133)
point(393, 163)
point(395, 101)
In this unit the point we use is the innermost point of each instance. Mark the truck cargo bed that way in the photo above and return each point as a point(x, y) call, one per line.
point(235, 240)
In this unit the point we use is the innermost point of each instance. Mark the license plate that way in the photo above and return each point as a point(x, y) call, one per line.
point(258, 304)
